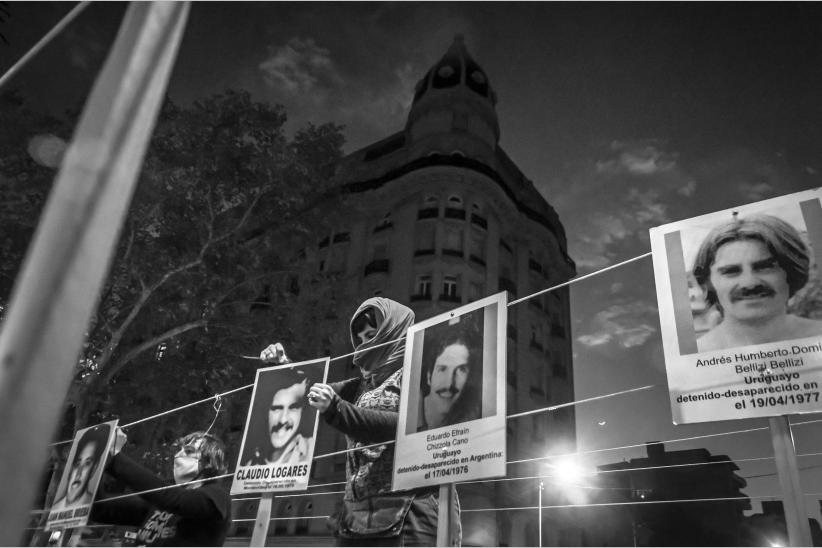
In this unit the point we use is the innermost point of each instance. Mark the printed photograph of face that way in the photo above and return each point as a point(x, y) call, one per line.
point(451, 379)
point(749, 283)
point(281, 425)
point(83, 470)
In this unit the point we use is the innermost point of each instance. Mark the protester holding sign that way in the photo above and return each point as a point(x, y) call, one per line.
point(196, 514)
point(365, 409)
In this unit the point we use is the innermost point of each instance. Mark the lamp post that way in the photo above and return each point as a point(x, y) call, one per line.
point(539, 521)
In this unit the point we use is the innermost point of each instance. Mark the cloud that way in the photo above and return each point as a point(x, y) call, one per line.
point(637, 158)
point(627, 324)
point(298, 67)
point(755, 192)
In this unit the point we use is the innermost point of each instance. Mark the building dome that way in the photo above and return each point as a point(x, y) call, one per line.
point(455, 97)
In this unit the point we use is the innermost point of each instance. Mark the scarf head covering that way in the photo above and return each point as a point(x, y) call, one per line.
point(393, 320)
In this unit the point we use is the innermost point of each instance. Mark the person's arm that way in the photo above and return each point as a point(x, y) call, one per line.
point(363, 425)
point(191, 503)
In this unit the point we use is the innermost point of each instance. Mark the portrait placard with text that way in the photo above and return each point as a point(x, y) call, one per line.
point(740, 308)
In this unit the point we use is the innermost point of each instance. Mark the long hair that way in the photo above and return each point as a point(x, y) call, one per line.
point(782, 240)
point(212, 453)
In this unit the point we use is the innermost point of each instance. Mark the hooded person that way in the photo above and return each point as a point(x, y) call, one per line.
point(365, 409)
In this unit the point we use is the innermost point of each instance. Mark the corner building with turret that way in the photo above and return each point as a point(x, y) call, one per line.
point(443, 217)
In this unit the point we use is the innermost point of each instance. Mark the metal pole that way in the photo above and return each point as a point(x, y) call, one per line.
point(796, 517)
point(59, 283)
point(263, 519)
point(444, 518)
point(541, 487)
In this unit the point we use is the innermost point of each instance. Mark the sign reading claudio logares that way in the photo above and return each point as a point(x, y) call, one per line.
point(740, 308)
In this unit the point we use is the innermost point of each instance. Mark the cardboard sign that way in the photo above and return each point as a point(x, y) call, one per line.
point(452, 407)
point(740, 308)
point(81, 476)
point(278, 442)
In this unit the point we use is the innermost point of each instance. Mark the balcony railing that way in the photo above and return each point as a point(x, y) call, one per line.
point(454, 213)
point(428, 213)
point(474, 259)
point(452, 252)
point(421, 297)
point(423, 252)
point(450, 298)
point(479, 220)
point(379, 265)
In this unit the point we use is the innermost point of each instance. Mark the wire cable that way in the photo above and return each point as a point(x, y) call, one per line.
point(36, 48)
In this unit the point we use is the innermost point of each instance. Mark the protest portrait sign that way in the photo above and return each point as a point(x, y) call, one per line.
point(740, 309)
point(278, 442)
point(81, 476)
point(452, 407)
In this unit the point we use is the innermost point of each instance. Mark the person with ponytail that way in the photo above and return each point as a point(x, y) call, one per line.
point(197, 513)
point(365, 409)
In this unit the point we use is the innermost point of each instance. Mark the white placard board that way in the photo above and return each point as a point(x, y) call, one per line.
point(278, 442)
point(740, 308)
point(452, 407)
point(81, 476)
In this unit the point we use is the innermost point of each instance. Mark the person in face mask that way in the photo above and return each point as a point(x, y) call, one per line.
point(197, 513)
point(365, 409)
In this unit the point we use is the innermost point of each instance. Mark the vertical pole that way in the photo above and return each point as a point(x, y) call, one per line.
point(263, 519)
point(445, 517)
point(65, 267)
point(539, 520)
point(796, 517)
point(76, 535)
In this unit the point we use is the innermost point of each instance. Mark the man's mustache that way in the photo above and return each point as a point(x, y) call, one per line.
point(280, 425)
point(759, 290)
point(443, 391)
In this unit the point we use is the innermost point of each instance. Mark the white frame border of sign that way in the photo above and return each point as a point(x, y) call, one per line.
point(79, 513)
point(460, 451)
point(778, 376)
point(272, 478)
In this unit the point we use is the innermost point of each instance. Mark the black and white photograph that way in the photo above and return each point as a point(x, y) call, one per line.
point(454, 410)
point(81, 476)
point(278, 443)
point(451, 379)
point(739, 292)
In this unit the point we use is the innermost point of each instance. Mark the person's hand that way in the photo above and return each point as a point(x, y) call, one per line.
point(274, 353)
point(120, 440)
point(320, 396)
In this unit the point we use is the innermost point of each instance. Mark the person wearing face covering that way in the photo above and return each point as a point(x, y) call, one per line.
point(365, 409)
point(193, 514)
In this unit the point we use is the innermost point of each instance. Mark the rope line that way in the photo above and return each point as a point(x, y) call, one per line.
point(572, 403)
point(595, 504)
point(36, 48)
point(580, 278)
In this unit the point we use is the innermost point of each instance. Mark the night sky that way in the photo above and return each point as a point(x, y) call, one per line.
point(625, 116)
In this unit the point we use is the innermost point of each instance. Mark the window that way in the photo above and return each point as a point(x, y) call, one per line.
point(449, 289)
point(453, 241)
point(454, 201)
point(477, 250)
point(430, 207)
point(383, 223)
point(475, 291)
point(422, 288)
point(424, 235)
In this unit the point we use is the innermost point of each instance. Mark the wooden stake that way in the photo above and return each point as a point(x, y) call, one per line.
point(58, 286)
point(445, 520)
point(263, 519)
point(796, 517)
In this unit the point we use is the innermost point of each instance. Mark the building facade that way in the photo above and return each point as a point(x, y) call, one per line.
point(440, 216)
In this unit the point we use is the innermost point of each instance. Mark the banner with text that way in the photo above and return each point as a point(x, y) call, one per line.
point(278, 442)
point(81, 477)
point(740, 308)
point(452, 408)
